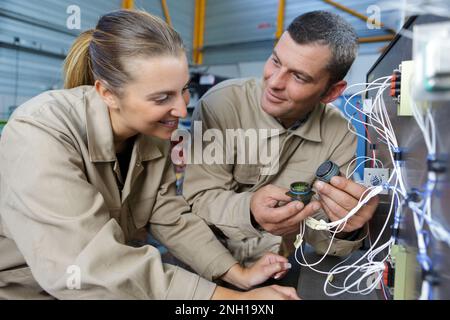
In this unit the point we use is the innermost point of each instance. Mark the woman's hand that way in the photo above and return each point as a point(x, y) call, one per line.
point(270, 265)
point(273, 292)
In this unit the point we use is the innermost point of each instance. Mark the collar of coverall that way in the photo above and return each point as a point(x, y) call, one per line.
point(307, 128)
point(100, 136)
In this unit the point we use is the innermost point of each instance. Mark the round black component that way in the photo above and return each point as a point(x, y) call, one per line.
point(300, 187)
point(327, 170)
point(300, 191)
point(324, 168)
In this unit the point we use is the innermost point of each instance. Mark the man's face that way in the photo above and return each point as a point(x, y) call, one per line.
point(295, 79)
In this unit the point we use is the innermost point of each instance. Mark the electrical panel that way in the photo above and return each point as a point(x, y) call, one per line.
point(417, 100)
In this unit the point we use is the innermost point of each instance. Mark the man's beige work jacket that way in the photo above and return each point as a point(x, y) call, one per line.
point(221, 193)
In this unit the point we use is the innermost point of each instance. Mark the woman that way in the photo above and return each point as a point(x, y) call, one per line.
point(82, 170)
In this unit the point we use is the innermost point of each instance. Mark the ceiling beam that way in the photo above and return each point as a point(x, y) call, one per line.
point(387, 37)
point(165, 10)
point(128, 4)
point(280, 19)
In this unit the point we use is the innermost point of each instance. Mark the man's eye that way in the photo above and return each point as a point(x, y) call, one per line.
point(298, 78)
point(275, 61)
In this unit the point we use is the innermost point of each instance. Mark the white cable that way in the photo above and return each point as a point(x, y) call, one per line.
point(372, 267)
point(348, 175)
point(369, 268)
point(378, 119)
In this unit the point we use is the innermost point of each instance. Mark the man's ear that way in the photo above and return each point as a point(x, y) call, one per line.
point(106, 94)
point(334, 92)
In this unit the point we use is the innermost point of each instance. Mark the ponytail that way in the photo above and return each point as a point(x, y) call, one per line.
point(77, 65)
point(119, 36)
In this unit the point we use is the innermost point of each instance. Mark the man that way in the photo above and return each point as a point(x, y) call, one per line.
point(248, 209)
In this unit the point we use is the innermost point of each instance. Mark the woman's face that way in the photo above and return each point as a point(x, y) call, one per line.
point(156, 97)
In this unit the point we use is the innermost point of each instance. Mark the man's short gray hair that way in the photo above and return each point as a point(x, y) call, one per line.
point(326, 28)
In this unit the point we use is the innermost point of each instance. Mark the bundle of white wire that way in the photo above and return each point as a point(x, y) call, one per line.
point(422, 211)
point(373, 268)
point(378, 119)
point(427, 126)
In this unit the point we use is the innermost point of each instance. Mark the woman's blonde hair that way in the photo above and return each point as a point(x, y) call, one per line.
point(123, 35)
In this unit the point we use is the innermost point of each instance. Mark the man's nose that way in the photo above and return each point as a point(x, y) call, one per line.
point(277, 80)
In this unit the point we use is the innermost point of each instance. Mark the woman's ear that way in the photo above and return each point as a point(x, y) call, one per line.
point(334, 91)
point(106, 94)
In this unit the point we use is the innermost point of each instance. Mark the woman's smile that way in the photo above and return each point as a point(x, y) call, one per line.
point(172, 124)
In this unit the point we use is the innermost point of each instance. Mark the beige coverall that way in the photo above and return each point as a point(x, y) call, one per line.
point(221, 194)
point(62, 214)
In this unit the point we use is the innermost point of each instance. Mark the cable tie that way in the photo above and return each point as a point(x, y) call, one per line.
point(316, 224)
point(398, 154)
point(298, 241)
point(426, 236)
point(414, 196)
point(421, 258)
point(431, 277)
point(395, 232)
point(436, 165)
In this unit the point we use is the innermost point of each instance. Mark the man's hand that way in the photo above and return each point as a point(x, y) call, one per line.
point(341, 196)
point(279, 220)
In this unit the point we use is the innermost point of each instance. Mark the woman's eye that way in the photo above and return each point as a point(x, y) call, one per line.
point(275, 61)
point(187, 87)
point(161, 100)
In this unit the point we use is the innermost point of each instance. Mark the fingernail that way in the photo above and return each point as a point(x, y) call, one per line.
point(319, 185)
point(336, 180)
point(316, 206)
point(287, 265)
point(299, 206)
